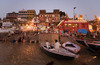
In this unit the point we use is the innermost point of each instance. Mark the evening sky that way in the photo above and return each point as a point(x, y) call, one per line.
point(87, 8)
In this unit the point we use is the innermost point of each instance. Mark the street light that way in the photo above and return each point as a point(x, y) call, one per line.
point(74, 12)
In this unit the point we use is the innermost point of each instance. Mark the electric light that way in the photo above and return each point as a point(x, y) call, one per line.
point(28, 27)
point(69, 24)
point(99, 18)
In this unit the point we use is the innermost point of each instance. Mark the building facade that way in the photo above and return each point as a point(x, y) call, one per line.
point(26, 15)
point(97, 24)
point(72, 25)
point(52, 16)
point(22, 15)
point(30, 14)
point(12, 16)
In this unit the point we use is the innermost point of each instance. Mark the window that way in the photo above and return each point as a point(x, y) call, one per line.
point(66, 25)
point(45, 15)
point(69, 25)
point(83, 25)
point(73, 25)
point(50, 15)
point(40, 15)
point(53, 15)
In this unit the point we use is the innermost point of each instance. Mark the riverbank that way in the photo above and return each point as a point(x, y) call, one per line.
point(31, 36)
point(27, 36)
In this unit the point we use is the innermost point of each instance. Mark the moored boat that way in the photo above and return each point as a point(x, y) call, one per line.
point(58, 54)
point(83, 42)
point(71, 47)
point(94, 45)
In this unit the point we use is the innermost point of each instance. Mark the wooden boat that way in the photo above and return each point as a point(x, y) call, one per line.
point(61, 54)
point(71, 47)
point(83, 42)
point(94, 45)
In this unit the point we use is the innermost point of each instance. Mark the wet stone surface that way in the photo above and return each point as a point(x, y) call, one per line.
point(30, 54)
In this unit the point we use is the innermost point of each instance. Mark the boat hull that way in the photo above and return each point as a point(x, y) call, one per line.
point(94, 47)
point(81, 42)
point(57, 56)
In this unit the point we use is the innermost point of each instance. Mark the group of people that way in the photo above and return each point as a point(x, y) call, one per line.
point(56, 45)
point(22, 39)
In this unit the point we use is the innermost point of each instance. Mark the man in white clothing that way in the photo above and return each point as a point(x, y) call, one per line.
point(57, 45)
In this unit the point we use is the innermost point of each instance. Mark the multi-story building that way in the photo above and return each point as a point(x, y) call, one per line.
point(96, 24)
point(12, 16)
point(30, 14)
point(52, 16)
point(22, 15)
point(26, 15)
point(72, 25)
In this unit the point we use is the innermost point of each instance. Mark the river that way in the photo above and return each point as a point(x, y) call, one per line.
point(30, 54)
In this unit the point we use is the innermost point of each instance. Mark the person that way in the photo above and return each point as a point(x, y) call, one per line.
point(94, 36)
point(47, 44)
point(57, 45)
point(20, 39)
point(14, 40)
point(46, 31)
point(28, 39)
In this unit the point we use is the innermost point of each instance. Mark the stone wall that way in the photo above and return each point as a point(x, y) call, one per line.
point(51, 37)
point(63, 39)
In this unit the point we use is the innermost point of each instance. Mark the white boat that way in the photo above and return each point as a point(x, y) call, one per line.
point(71, 47)
point(61, 54)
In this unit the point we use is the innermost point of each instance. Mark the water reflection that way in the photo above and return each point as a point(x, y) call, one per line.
point(30, 54)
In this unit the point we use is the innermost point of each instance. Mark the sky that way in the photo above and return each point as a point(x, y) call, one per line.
point(87, 8)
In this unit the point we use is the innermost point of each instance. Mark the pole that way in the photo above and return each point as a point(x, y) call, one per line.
point(74, 12)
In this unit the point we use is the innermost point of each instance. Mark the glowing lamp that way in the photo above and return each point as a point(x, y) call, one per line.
point(99, 18)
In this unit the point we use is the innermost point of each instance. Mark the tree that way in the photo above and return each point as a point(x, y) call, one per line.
point(62, 13)
point(0, 19)
point(94, 23)
point(94, 27)
point(91, 22)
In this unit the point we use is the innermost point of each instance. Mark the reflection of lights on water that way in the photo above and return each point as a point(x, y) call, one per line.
point(91, 59)
point(27, 51)
point(94, 57)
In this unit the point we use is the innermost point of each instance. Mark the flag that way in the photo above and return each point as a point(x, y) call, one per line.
point(80, 16)
point(74, 7)
point(96, 17)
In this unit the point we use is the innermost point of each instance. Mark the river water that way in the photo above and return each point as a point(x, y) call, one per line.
point(30, 54)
